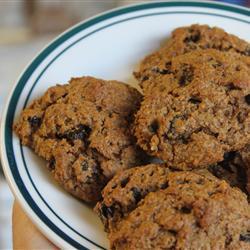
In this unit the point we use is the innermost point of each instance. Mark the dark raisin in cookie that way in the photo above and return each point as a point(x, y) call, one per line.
point(183, 210)
point(83, 130)
point(184, 40)
point(199, 111)
point(127, 188)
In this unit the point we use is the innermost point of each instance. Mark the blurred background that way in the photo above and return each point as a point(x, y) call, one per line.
point(26, 26)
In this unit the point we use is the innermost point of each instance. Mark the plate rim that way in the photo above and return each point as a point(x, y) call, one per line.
point(9, 111)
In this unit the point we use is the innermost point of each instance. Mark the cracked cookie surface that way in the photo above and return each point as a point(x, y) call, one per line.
point(127, 188)
point(154, 207)
point(184, 40)
point(83, 130)
point(198, 110)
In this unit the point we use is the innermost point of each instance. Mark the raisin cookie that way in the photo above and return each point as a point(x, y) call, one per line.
point(198, 110)
point(122, 194)
point(83, 130)
point(163, 209)
point(184, 40)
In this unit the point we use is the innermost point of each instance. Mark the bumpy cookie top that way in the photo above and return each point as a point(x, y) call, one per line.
point(163, 209)
point(83, 130)
point(127, 188)
point(198, 109)
point(188, 218)
point(186, 39)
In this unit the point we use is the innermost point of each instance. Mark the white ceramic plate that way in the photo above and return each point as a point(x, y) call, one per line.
point(107, 46)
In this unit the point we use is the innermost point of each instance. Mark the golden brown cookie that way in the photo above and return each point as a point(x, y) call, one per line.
point(153, 207)
point(122, 194)
point(83, 130)
point(184, 40)
point(198, 110)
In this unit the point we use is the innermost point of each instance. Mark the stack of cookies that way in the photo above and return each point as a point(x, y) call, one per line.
point(99, 138)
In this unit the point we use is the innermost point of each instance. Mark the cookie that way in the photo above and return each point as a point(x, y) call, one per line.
point(83, 130)
point(194, 218)
point(198, 110)
point(183, 210)
point(127, 188)
point(232, 169)
point(184, 40)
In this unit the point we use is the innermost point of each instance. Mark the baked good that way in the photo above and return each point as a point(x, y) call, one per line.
point(198, 110)
point(83, 130)
point(154, 207)
point(184, 40)
point(122, 194)
point(126, 189)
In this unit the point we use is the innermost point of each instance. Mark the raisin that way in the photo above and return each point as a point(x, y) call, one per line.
point(168, 65)
point(85, 166)
point(200, 181)
point(195, 100)
point(124, 182)
point(164, 185)
point(245, 237)
point(161, 71)
point(231, 86)
point(187, 75)
point(227, 48)
point(99, 108)
point(144, 78)
point(136, 194)
point(194, 37)
point(186, 210)
point(238, 68)
point(52, 164)
point(35, 122)
point(247, 99)
point(228, 240)
point(218, 47)
point(172, 232)
point(80, 133)
point(107, 212)
point(153, 127)
point(229, 156)
point(208, 132)
point(164, 71)
point(184, 139)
